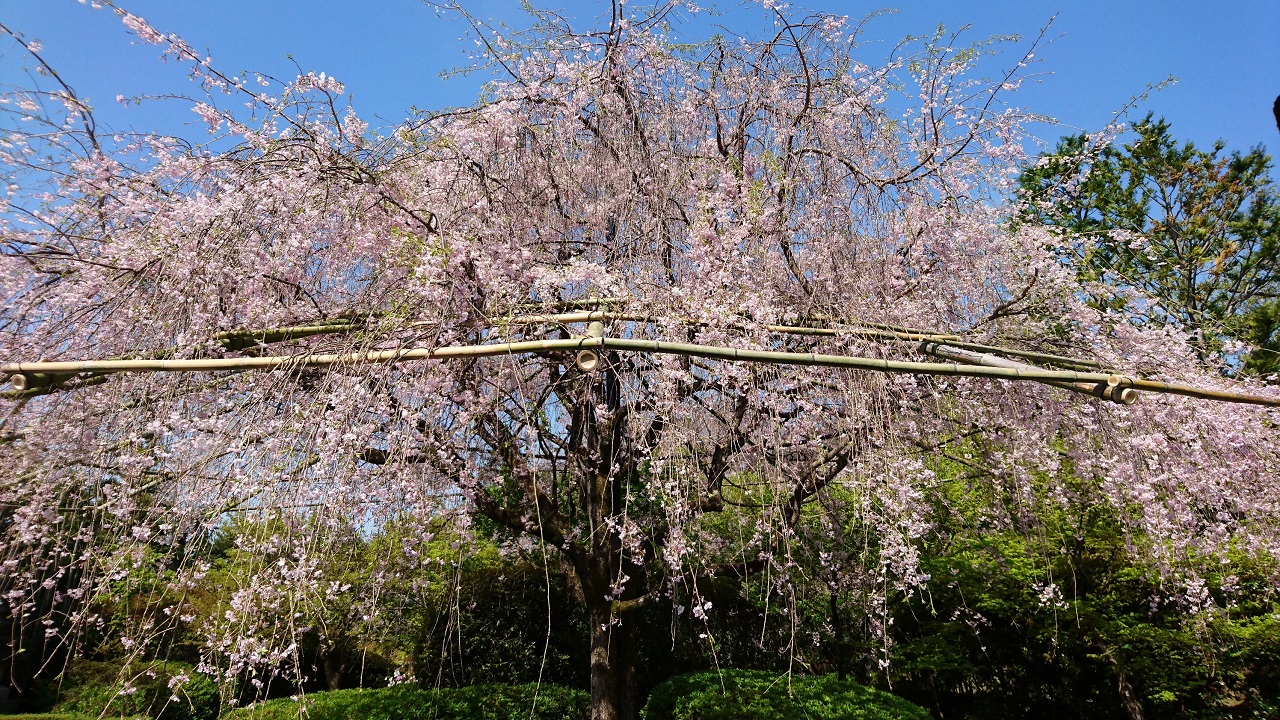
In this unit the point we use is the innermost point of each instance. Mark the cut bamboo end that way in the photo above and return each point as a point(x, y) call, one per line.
point(589, 360)
point(32, 381)
point(1117, 391)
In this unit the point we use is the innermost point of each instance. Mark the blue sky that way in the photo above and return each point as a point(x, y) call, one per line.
point(1226, 54)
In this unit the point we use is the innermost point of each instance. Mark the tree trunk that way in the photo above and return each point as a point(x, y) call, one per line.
point(332, 670)
point(612, 665)
point(839, 651)
point(1128, 698)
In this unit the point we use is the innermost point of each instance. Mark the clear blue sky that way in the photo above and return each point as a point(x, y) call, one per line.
point(1225, 53)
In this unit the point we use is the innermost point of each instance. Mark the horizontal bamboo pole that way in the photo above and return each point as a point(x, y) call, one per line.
point(649, 346)
point(239, 339)
point(1110, 390)
point(29, 392)
point(275, 362)
point(567, 304)
point(919, 368)
point(1027, 354)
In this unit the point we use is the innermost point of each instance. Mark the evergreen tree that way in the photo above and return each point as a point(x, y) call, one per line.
point(1195, 233)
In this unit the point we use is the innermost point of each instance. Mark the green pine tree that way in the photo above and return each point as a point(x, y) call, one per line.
point(1195, 232)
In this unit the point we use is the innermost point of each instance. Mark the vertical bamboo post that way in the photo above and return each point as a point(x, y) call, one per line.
point(588, 359)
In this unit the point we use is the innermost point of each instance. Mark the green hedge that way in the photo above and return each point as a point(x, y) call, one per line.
point(408, 702)
point(752, 694)
point(48, 716)
point(94, 689)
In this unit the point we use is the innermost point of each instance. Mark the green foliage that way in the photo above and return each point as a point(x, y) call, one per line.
point(48, 716)
point(406, 702)
point(510, 623)
point(748, 694)
point(1019, 624)
point(105, 689)
point(1198, 231)
point(490, 623)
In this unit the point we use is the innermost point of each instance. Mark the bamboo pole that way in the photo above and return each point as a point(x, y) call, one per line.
point(45, 389)
point(569, 304)
point(650, 346)
point(240, 339)
point(1028, 354)
point(1110, 390)
point(588, 359)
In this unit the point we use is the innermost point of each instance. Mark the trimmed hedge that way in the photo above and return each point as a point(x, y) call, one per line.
point(752, 694)
point(408, 702)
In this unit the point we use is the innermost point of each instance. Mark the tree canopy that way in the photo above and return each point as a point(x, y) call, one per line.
point(770, 195)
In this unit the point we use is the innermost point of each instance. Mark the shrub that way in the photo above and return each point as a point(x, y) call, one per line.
point(48, 716)
point(406, 702)
point(96, 689)
point(751, 694)
point(495, 630)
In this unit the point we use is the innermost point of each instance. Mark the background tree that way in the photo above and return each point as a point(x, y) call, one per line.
point(1174, 233)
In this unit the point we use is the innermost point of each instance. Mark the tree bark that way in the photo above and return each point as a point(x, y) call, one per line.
point(332, 670)
point(1128, 698)
point(612, 664)
point(839, 651)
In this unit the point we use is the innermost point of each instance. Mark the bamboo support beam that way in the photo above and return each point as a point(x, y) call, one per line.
point(650, 346)
point(44, 389)
point(240, 339)
point(570, 304)
point(1029, 355)
point(1109, 390)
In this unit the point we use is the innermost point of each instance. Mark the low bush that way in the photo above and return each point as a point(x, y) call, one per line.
point(752, 694)
point(48, 716)
point(159, 690)
point(407, 702)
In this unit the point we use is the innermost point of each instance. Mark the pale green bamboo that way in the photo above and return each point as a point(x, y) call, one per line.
point(651, 346)
point(1027, 354)
point(1105, 391)
point(242, 337)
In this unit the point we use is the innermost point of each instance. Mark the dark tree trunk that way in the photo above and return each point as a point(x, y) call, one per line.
point(1128, 698)
point(612, 665)
point(839, 649)
point(333, 670)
